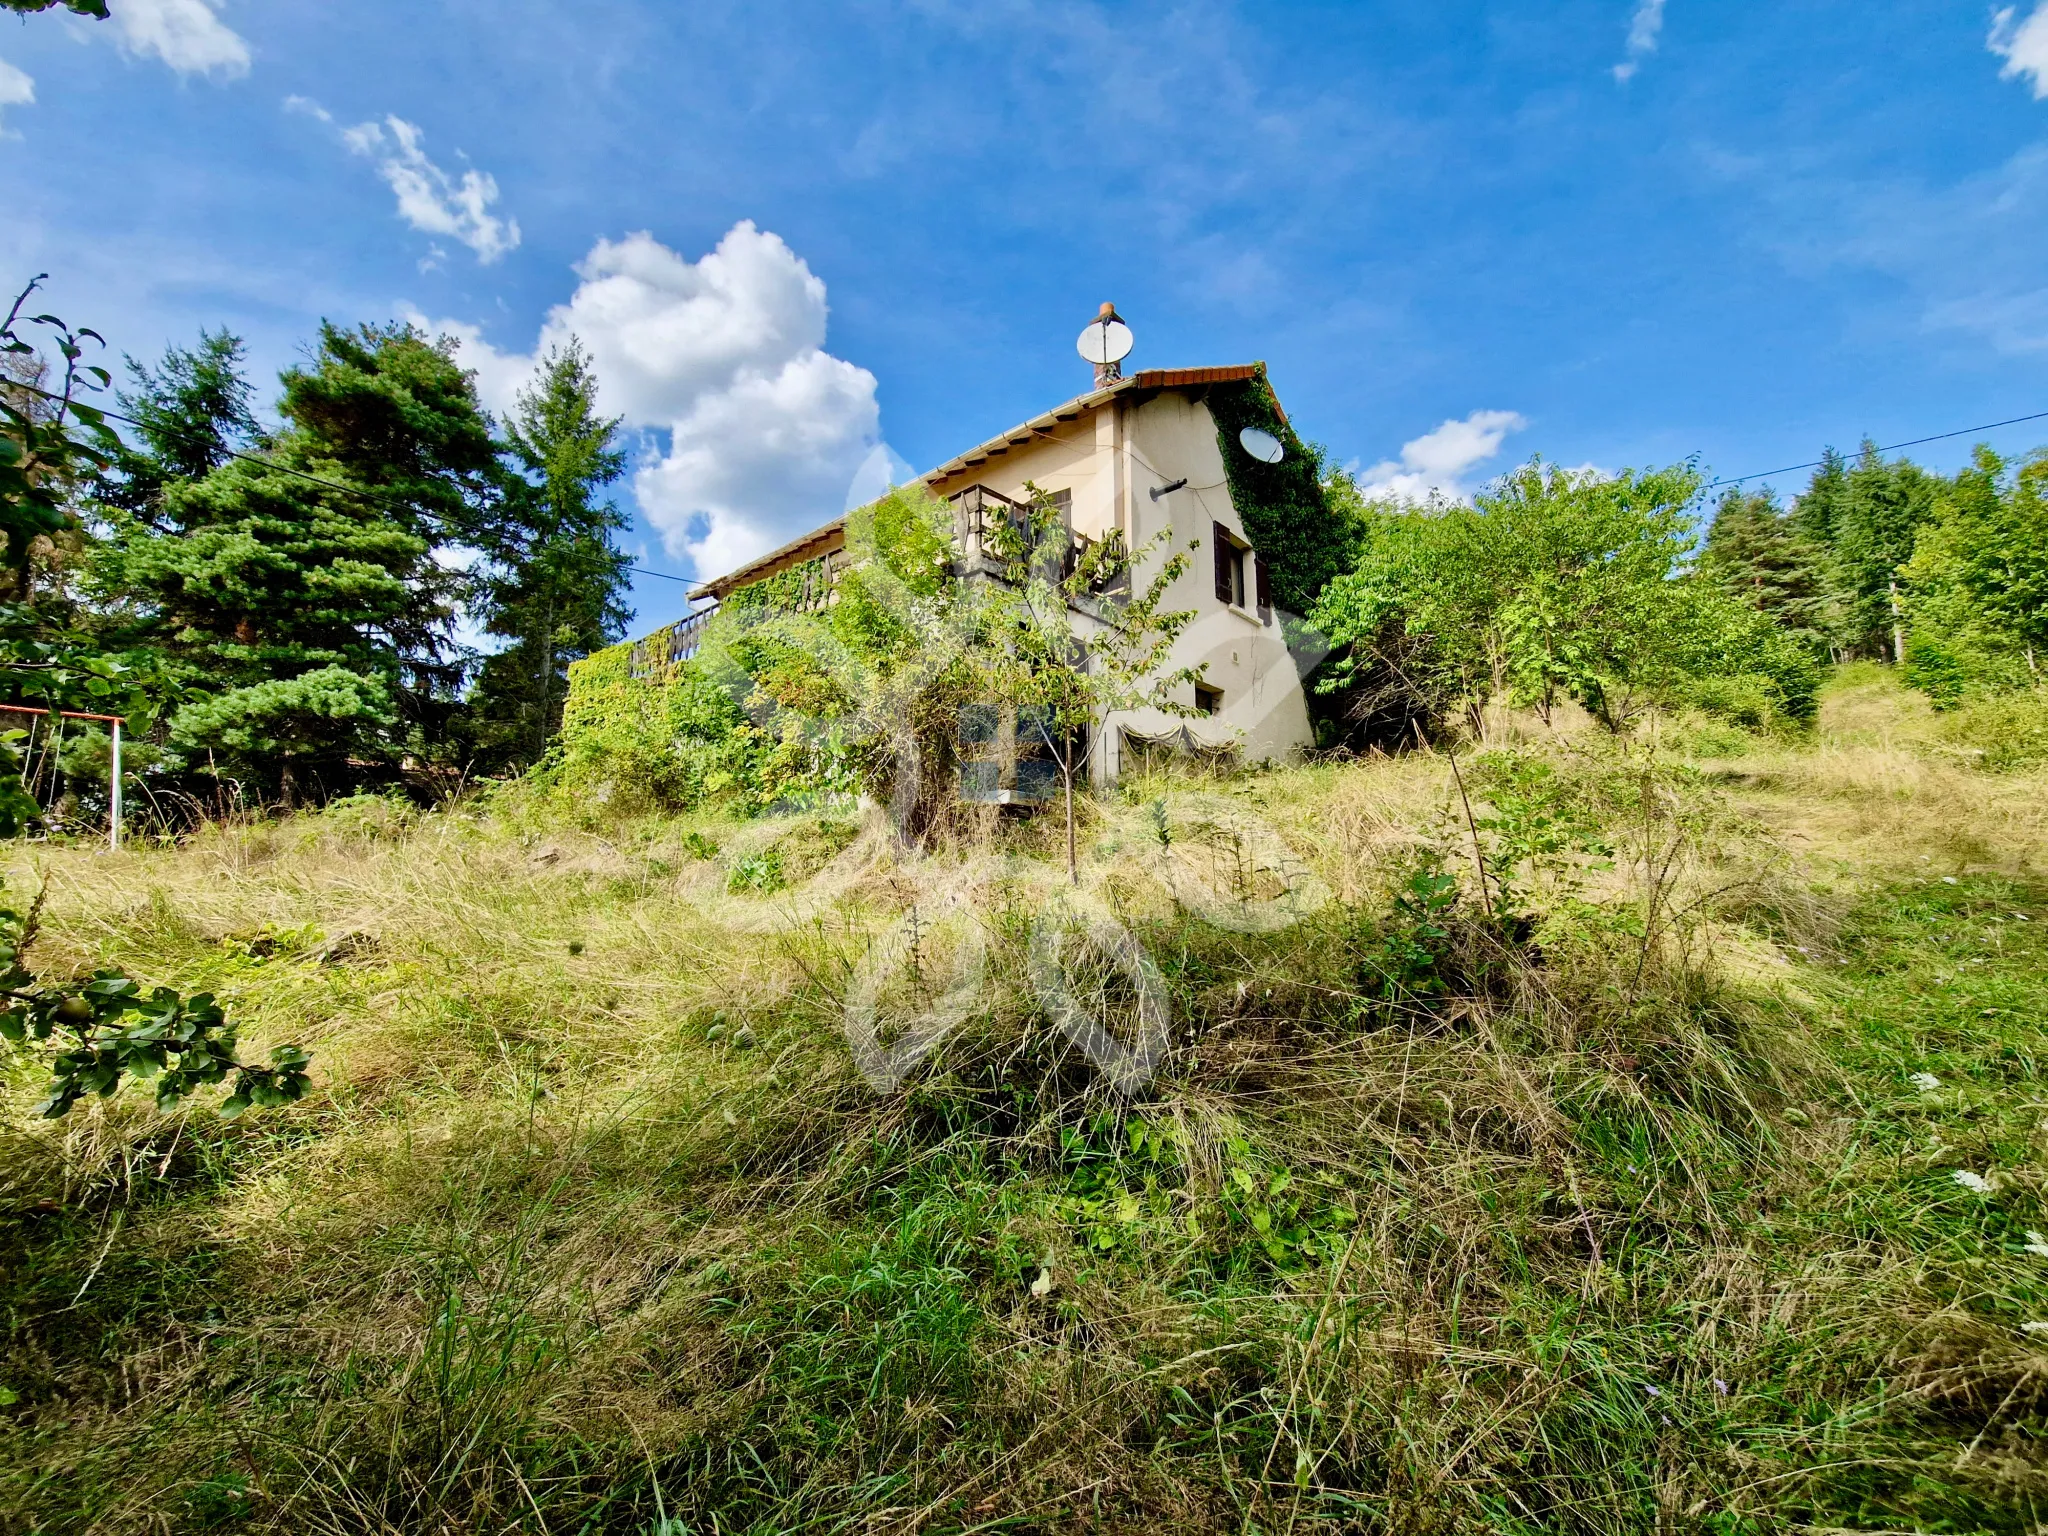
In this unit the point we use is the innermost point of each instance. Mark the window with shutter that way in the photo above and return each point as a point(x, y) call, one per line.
point(1265, 591)
point(1226, 563)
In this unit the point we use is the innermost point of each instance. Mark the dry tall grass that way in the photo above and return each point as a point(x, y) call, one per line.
point(1589, 1208)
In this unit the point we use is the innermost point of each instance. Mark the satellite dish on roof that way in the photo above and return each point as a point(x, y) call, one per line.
point(1263, 446)
point(1107, 341)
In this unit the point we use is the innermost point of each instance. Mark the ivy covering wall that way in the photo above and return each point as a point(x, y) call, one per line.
point(1306, 542)
point(660, 729)
point(800, 589)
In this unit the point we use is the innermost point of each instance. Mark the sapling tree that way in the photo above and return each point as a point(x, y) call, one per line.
point(1074, 654)
point(868, 688)
point(48, 437)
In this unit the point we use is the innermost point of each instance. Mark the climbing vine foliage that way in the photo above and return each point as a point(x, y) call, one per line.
point(1286, 510)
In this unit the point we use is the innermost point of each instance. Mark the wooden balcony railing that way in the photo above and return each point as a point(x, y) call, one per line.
point(669, 646)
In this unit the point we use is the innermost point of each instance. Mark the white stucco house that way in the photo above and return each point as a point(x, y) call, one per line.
point(1136, 455)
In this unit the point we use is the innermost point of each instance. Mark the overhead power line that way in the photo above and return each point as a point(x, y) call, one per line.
point(298, 474)
point(373, 496)
point(1764, 474)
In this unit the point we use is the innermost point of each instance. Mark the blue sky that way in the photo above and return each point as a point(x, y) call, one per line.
point(1615, 232)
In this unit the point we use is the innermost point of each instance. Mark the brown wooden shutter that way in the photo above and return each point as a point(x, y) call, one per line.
point(1265, 591)
point(1226, 564)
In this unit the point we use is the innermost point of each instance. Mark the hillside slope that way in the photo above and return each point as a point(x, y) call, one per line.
point(1684, 1171)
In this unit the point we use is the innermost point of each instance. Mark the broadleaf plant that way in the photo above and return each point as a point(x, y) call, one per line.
point(106, 1030)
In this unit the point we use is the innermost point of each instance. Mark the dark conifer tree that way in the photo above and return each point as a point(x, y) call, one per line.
point(556, 579)
point(298, 597)
point(1755, 552)
point(1815, 510)
point(192, 411)
point(1883, 504)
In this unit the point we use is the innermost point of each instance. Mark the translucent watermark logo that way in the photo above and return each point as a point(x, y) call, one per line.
point(928, 973)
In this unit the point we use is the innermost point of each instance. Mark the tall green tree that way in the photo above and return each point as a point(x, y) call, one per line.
point(300, 594)
point(192, 412)
point(1759, 556)
point(555, 580)
point(1882, 506)
point(1976, 588)
point(1816, 510)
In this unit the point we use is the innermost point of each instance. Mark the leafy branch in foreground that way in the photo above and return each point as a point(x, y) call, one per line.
point(104, 1029)
point(108, 1029)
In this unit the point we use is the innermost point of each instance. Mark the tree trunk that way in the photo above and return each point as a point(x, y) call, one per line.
point(1067, 778)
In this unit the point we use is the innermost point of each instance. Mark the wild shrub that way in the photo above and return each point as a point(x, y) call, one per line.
point(1554, 585)
point(2008, 730)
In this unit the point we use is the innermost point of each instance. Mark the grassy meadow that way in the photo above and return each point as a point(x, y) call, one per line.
point(1685, 1172)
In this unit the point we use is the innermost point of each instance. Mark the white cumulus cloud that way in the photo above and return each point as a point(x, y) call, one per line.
point(1432, 467)
point(1644, 28)
point(767, 434)
point(2023, 45)
point(429, 199)
point(185, 34)
point(17, 89)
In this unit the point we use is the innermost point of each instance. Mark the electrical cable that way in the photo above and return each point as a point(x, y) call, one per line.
point(1938, 437)
point(372, 496)
point(300, 474)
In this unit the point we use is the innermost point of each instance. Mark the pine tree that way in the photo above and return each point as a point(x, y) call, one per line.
point(192, 413)
point(1757, 554)
point(1883, 504)
point(1815, 510)
point(298, 597)
point(556, 578)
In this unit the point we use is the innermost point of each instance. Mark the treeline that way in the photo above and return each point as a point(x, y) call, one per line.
point(1557, 584)
point(1554, 585)
point(293, 582)
point(1881, 559)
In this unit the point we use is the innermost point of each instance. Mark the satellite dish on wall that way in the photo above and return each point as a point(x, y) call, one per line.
point(1107, 341)
point(1263, 446)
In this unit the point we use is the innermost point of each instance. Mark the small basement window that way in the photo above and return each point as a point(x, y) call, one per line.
point(1208, 701)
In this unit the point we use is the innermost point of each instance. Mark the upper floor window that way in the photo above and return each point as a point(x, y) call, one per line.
point(1230, 559)
point(1241, 577)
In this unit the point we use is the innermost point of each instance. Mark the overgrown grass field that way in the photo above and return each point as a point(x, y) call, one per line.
point(1577, 1136)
